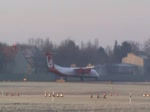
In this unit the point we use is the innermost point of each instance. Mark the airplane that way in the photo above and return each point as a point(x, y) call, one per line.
point(70, 71)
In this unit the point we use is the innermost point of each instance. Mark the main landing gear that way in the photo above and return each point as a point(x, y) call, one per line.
point(65, 78)
point(81, 78)
point(96, 78)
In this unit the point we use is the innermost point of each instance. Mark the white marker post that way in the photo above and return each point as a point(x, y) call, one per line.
point(130, 98)
point(52, 96)
point(45, 94)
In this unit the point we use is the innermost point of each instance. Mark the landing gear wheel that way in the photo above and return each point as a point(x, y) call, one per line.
point(65, 78)
point(81, 78)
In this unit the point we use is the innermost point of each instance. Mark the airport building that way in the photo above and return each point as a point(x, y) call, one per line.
point(141, 61)
point(132, 64)
point(121, 69)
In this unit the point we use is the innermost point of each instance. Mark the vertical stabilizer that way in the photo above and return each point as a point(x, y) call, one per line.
point(49, 60)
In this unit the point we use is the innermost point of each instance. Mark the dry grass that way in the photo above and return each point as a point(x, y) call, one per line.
point(76, 97)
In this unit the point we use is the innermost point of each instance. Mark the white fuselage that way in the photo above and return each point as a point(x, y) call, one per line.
point(66, 71)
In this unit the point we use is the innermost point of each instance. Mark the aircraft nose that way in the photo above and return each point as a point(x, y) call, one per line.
point(97, 74)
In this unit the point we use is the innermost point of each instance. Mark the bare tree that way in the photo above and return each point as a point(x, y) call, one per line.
point(68, 53)
point(147, 47)
point(135, 46)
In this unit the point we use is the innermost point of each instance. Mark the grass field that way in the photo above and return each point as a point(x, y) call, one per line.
point(76, 97)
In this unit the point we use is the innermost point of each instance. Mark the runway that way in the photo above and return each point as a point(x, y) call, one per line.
point(76, 97)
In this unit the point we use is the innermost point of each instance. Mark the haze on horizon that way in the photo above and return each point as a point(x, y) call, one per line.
point(79, 20)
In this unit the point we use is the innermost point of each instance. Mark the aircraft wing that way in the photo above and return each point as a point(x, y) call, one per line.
point(83, 70)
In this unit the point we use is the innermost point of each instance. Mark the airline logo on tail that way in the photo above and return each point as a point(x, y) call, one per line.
point(49, 61)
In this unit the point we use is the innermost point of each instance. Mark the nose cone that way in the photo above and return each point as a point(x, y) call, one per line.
point(97, 74)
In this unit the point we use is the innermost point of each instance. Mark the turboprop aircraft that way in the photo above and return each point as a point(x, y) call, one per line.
point(71, 71)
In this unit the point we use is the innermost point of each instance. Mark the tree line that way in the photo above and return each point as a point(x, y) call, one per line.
point(68, 52)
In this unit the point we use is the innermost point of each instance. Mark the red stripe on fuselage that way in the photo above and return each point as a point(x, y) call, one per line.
point(83, 71)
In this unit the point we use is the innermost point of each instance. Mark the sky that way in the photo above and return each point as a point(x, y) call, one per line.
point(79, 20)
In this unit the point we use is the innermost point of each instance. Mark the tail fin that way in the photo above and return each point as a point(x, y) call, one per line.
point(49, 60)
